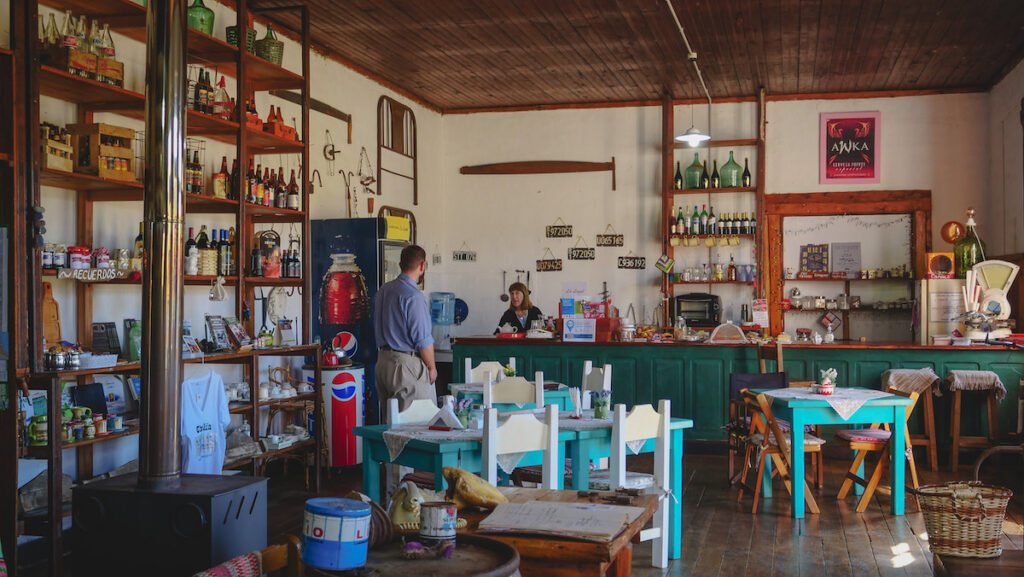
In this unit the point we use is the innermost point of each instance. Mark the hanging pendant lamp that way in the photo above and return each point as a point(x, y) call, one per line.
point(693, 136)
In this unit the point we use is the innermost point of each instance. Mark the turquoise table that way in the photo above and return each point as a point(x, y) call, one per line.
point(582, 446)
point(890, 409)
point(475, 392)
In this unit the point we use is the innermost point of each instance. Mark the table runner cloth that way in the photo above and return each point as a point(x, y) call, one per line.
point(844, 400)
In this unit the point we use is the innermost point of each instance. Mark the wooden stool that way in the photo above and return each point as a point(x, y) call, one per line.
point(928, 439)
point(960, 441)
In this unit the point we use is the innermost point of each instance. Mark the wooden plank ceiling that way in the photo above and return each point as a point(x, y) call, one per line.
point(470, 54)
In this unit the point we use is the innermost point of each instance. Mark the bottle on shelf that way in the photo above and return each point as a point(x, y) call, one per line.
point(745, 177)
point(233, 248)
point(680, 221)
point(224, 254)
point(190, 244)
point(731, 274)
point(67, 31)
point(255, 184)
point(703, 219)
point(731, 173)
point(677, 182)
point(81, 40)
point(716, 179)
point(139, 241)
point(712, 221)
point(234, 184)
point(197, 174)
point(203, 240)
point(249, 184)
point(753, 223)
point(268, 187)
point(51, 34)
point(198, 94)
point(222, 101)
point(695, 221)
point(705, 179)
point(969, 250)
point(692, 178)
point(281, 190)
point(745, 226)
point(109, 52)
point(293, 201)
point(256, 263)
point(96, 39)
point(220, 179)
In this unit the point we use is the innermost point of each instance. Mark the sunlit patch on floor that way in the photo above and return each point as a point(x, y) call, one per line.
point(901, 555)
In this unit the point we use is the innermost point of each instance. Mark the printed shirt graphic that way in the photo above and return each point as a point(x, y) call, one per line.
point(204, 416)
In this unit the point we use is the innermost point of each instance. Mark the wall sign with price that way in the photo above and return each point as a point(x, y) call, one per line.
point(632, 262)
point(581, 252)
point(610, 238)
point(464, 254)
point(558, 229)
point(549, 263)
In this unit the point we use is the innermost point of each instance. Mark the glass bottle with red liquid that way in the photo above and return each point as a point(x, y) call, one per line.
point(343, 299)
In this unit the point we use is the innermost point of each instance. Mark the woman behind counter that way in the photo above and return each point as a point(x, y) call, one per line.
point(521, 312)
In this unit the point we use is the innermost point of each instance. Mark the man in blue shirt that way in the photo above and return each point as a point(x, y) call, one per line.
point(405, 361)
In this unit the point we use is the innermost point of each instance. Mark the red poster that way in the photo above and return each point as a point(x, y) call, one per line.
point(849, 148)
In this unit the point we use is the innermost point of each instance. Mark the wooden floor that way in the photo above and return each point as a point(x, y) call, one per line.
point(722, 538)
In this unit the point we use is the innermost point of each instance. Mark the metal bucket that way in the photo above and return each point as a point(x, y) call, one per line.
point(437, 520)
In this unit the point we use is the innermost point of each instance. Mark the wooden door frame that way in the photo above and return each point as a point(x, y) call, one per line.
point(917, 203)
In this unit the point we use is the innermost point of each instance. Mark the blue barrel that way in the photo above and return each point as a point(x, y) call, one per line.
point(335, 533)
point(442, 308)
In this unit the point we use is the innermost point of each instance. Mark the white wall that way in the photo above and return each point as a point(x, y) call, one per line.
point(1006, 235)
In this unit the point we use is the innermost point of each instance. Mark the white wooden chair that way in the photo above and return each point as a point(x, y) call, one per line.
point(420, 411)
point(477, 374)
point(514, 391)
point(521, 433)
point(642, 423)
point(599, 379)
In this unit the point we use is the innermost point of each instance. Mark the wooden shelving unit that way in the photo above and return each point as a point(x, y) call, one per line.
point(252, 75)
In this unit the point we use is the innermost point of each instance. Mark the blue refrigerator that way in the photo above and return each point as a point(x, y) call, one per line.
point(348, 326)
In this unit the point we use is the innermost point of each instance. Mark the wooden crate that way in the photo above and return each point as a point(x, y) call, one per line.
point(110, 71)
point(113, 159)
point(77, 62)
point(56, 155)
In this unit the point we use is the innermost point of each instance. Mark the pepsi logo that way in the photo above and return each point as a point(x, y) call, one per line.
point(343, 386)
point(345, 344)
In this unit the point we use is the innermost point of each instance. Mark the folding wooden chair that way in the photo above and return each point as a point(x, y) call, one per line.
point(738, 426)
point(767, 440)
point(522, 433)
point(874, 439)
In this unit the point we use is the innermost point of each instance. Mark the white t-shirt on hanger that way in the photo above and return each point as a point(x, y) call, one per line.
point(204, 416)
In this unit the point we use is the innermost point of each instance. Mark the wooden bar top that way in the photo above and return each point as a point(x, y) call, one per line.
point(486, 340)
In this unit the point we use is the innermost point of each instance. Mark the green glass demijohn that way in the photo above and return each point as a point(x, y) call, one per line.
point(693, 172)
point(200, 17)
point(731, 173)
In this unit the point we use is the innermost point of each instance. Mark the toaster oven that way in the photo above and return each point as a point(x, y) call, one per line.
point(699, 309)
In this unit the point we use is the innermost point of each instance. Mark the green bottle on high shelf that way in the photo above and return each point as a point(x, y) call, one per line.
point(731, 173)
point(705, 178)
point(969, 250)
point(677, 181)
point(693, 171)
point(200, 17)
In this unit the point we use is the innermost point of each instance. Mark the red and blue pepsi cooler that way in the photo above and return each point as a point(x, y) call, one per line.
point(343, 407)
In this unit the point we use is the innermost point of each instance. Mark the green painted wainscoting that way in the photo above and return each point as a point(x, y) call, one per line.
point(696, 377)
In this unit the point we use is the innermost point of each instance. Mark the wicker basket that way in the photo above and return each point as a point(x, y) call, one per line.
point(269, 47)
point(964, 519)
point(250, 38)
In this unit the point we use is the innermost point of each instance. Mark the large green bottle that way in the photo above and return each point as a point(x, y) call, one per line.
point(969, 250)
point(200, 17)
point(693, 171)
point(731, 173)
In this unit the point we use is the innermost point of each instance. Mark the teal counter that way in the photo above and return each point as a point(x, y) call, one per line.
point(695, 377)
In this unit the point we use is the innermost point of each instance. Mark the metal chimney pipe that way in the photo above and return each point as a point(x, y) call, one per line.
point(163, 267)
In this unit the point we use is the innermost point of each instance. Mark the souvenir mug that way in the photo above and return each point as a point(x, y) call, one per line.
point(81, 412)
point(116, 422)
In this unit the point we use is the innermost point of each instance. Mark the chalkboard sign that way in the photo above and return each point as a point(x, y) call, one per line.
point(582, 253)
point(610, 240)
point(549, 265)
point(632, 262)
point(559, 231)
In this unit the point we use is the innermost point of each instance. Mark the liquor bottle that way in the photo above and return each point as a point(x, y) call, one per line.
point(712, 222)
point(731, 274)
point(219, 179)
point(203, 240)
point(293, 193)
point(233, 249)
point(286, 263)
point(703, 219)
point(139, 241)
point(692, 178)
point(677, 182)
point(281, 190)
point(197, 167)
point(222, 101)
point(198, 95)
point(224, 254)
point(271, 188)
point(96, 39)
point(745, 179)
point(234, 184)
point(731, 173)
point(68, 39)
point(695, 221)
point(969, 250)
point(716, 179)
point(109, 51)
point(296, 264)
point(745, 227)
point(190, 244)
point(80, 34)
point(268, 187)
point(705, 180)
point(672, 228)
point(208, 85)
point(255, 184)
point(753, 223)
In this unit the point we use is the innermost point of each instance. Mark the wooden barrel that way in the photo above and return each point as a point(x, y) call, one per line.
point(474, 557)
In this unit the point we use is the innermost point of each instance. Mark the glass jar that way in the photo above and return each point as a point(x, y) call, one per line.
point(731, 173)
point(200, 17)
point(343, 298)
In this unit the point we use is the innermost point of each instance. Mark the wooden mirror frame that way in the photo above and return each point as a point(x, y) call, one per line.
point(917, 203)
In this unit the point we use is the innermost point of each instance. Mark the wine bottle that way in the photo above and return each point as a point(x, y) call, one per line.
point(234, 184)
point(703, 219)
point(746, 172)
point(731, 271)
point(233, 248)
point(224, 254)
point(680, 221)
point(745, 227)
point(712, 221)
point(753, 223)
point(257, 185)
point(197, 184)
point(705, 180)
point(695, 221)
point(139, 240)
point(969, 250)
point(203, 240)
point(677, 182)
point(268, 187)
point(293, 193)
point(280, 190)
point(716, 179)
point(190, 244)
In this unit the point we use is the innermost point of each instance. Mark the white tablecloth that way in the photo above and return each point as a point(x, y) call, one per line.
point(845, 400)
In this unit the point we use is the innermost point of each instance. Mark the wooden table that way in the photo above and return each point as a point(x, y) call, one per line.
point(1010, 564)
point(801, 412)
point(546, 556)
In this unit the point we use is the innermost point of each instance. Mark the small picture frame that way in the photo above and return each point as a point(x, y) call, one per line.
point(218, 332)
point(238, 333)
point(285, 333)
point(190, 348)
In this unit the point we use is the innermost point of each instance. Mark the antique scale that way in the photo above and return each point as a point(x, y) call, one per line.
point(991, 319)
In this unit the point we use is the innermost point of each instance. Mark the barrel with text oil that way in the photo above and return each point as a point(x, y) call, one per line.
point(335, 533)
point(442, 308)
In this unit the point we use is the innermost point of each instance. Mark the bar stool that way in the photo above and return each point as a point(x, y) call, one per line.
point(922, 382)
point(984, 381)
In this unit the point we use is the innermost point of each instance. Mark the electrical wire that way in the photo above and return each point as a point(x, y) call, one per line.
point(692, 56)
